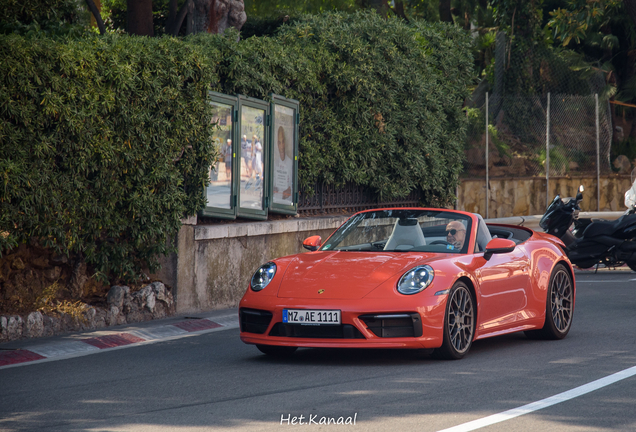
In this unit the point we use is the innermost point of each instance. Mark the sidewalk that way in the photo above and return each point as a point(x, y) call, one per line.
point(29, 351)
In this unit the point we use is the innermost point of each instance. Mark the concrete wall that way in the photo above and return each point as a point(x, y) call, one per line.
point(215, 262)
point(527, 196)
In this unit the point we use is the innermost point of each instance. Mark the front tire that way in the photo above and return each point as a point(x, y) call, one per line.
point(276, 351)
point(459, 324)
point(559, 306)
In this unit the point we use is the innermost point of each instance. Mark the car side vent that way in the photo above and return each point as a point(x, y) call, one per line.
point(394, 325)
point(254, 320)
point(345, 331)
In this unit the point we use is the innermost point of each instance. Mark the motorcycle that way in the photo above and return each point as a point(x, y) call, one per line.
point(593, 241)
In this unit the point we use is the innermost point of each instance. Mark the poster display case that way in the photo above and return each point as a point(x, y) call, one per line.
point(220, 192)
point(256, 167)
point(284, 155)
point(252, 158)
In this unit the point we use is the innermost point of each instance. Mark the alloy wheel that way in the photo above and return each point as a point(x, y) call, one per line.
point(561, 300)
point(461, 319)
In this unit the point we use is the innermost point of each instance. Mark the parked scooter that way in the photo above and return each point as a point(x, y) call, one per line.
point(592, 241)
point(580, 224)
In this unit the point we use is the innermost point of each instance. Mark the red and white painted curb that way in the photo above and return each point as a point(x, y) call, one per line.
point(109, 340)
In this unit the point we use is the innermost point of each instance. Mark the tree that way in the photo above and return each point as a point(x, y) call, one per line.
point(155, 17)
point(522, 23)
point(445, 11)
point(139, 17)
point(98, 17)
point(602, 32)
point(223, 14)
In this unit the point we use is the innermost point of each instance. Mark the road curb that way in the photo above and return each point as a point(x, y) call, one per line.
point(26, 352)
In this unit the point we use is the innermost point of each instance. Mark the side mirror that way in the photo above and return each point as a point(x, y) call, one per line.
point(498, 246)
point(312, 243)
point(579, 196)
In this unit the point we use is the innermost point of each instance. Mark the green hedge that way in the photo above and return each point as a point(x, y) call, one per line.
point(104, 141)
point(51, 17)
point(104, 145)
point(381, 100)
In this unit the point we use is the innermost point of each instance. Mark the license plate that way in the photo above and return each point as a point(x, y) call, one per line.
point(311, 317)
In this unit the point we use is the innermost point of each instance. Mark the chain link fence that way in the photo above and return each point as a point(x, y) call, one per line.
point(520, 129)
point(558, 133)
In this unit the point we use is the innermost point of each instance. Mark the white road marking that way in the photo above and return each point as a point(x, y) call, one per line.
point(229, 321)
point(544, 403)
point(154, 333)
point(62, 348)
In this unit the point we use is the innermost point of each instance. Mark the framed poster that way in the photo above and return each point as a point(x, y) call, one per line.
point(252, 158)
point(284, 155)
point(220, 192)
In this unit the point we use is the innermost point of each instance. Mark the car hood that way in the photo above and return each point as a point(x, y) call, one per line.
point(345, 275)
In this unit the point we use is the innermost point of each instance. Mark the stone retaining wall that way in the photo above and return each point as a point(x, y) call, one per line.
point(151, 302)
point(527, 196)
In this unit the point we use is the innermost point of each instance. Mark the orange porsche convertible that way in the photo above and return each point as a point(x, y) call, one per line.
point(411, 278)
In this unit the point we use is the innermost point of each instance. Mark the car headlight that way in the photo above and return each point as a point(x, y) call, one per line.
point(416, 280)
point(263, 276)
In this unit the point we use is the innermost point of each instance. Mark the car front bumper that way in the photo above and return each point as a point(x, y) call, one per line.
point(365, 323)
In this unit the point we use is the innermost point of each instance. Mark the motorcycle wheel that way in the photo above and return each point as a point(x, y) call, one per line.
point(632, 265)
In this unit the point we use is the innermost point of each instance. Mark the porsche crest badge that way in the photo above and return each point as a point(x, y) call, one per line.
point(320, 291)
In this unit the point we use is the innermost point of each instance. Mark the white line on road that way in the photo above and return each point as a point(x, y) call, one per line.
point(544, 403)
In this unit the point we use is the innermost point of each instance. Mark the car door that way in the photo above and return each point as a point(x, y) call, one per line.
point(504, 290)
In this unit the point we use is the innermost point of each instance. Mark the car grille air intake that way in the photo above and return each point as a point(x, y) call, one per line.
point(394, 325)
point(345, 331)
point(254, 320)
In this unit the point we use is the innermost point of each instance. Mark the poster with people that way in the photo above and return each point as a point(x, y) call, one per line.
point(219, 190)
point(283, 156)
point(251, 158)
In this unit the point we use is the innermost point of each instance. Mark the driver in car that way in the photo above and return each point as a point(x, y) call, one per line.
point(455, 234)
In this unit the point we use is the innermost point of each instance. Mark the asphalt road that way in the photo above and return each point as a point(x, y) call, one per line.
point(213, 381)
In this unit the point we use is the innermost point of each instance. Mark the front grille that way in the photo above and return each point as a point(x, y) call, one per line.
point(394, 325)
point(345, 331)
point(254, 320)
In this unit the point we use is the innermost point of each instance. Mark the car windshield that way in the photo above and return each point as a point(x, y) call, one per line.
point(406, 230)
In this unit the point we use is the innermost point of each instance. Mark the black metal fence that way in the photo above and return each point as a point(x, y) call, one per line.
point(348, 199)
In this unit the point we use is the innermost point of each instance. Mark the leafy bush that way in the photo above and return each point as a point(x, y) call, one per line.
point(104, 145)
point(267, 25)
point(50, 17)
point(104, 141)
point(380, 99)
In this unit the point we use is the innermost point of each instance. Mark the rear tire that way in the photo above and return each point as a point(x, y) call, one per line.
point(276, 351)
point(459, 324)
point(631, 265)
point(559, 306)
